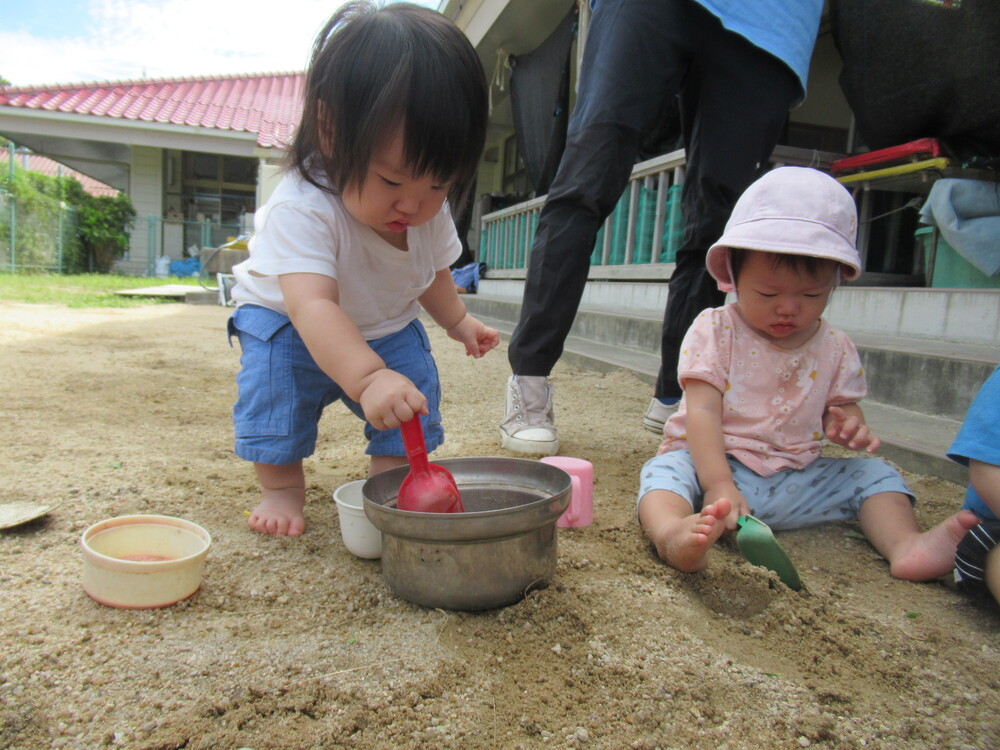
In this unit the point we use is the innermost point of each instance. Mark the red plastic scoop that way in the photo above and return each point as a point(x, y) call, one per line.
point(428, 488)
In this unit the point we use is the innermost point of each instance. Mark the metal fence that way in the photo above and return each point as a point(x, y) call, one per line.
point(40, 235)
point(37, 234)
point(178, 239)
point(38, 231)
point(642, 234)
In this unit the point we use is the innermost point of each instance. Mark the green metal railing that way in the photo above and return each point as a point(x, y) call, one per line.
point(644, 231)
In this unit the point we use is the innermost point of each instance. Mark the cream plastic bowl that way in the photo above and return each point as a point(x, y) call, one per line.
point(143, 561)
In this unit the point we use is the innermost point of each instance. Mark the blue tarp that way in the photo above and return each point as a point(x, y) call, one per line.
point(186, 267)
point(967, 214)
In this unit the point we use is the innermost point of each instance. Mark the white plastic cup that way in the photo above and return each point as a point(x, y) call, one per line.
point(581, 505)
point(360, 535)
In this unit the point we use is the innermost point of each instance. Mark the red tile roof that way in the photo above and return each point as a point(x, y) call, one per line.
point(46, 166)
point(268, 105)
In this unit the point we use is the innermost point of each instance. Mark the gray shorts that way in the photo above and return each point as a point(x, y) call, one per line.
point(828, 489)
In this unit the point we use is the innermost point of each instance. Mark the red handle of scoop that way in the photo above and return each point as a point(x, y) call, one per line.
point(428, 488)
point(414, 445)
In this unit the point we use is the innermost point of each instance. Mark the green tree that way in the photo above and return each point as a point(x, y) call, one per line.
point(104, 224)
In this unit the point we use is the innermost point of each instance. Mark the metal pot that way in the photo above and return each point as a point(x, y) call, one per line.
point(493, 554)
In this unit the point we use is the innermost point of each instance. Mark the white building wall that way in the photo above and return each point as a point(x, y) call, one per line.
point(146, 191)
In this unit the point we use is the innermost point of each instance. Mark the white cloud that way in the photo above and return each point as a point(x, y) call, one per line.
point(127, 39)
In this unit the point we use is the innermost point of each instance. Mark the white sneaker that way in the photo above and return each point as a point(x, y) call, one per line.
point(657, 414)
point(528, 419)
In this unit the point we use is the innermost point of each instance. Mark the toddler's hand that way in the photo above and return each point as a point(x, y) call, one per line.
point(389, 399)
point(477, 337)
point(850, 431)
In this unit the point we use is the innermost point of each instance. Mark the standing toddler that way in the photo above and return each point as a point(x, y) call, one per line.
point(356, 240)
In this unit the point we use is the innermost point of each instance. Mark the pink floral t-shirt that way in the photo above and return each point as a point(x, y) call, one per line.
point(773, 399)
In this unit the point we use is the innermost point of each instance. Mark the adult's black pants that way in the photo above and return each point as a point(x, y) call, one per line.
point(734, 101)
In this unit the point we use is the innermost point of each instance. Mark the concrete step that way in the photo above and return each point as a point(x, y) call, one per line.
point(933, 376)
point(965, 315)
point(915, 442)
point(924, 375)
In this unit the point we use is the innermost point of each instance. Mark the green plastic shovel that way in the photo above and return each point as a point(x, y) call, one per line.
point(758, 545)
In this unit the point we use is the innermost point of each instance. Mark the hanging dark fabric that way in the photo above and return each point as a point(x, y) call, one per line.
point(922, 68)
point(539, 95)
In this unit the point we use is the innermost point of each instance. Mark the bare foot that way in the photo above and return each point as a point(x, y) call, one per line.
point(279, 513)
point(932, 554)
point(684, 543)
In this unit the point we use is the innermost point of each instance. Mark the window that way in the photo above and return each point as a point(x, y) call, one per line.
point(215, 190)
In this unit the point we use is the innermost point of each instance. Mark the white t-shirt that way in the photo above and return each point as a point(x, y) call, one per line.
point(303, 229)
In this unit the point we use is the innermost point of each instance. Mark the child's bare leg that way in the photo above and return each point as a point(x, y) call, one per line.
point(682, 538)
point(283, 497)
point(887, 519)
point(379, 464)
point(993, 572)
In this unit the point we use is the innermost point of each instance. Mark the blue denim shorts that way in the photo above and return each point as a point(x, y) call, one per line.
point(281, 392)
point(828, 489)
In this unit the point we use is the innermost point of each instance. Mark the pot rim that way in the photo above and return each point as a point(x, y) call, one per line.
point(550, 483)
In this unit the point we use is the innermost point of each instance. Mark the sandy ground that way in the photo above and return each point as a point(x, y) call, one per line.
point(298, 644)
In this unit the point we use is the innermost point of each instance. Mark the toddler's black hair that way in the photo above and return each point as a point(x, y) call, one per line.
point(375, 68)
point(808, 265)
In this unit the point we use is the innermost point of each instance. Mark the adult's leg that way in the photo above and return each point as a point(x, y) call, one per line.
point(592, 174)
point(631, 66)
point(734, 106)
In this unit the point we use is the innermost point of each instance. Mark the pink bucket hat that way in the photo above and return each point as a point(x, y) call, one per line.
point(794, 211)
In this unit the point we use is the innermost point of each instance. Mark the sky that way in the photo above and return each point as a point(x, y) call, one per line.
point(77, 41)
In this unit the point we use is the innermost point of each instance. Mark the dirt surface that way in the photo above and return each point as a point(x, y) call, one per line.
point(295, 643)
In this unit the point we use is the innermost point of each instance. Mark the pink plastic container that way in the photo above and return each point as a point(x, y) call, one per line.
point(581, 505)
